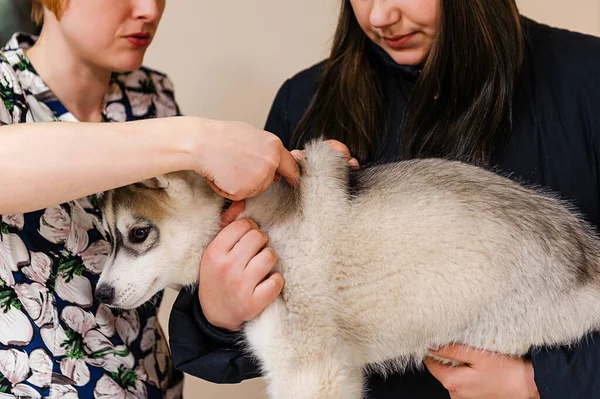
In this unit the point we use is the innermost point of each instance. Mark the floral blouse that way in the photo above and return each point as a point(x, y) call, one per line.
point(55, 340)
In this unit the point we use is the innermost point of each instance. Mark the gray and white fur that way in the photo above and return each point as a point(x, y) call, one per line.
point(412, 255)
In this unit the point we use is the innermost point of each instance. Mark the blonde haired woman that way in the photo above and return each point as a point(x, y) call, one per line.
point(86, 67)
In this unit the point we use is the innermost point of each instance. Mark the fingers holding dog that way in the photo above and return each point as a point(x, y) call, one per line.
point(340, 147)
point(336, 146)
point(249, 245)
point(266, 292)
point(263, 287)
point(231, 234)
point(260, 266)
point(232, 285)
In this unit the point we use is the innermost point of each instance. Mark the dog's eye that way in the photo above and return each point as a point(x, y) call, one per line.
point(139, 235)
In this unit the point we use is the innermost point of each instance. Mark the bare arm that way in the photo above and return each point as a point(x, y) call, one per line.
point(43, 164)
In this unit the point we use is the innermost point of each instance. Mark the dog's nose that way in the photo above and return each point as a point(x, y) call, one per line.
point(105, 294)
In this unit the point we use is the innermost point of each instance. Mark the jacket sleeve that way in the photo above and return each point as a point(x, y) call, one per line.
point(202, 350)
point(12, 105)
point(197, 347)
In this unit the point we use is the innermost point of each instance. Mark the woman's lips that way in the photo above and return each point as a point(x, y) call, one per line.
point(139, 39)
point(399, 41)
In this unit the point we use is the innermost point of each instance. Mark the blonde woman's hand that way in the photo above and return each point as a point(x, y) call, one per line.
point(241, 161)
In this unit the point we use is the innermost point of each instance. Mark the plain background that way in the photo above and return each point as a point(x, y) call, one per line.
point(228, 58)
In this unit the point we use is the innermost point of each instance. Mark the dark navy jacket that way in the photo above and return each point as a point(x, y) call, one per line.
point(555, 143)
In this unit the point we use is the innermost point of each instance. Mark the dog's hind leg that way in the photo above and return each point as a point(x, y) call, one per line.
point(300, 363)
point(324, 379)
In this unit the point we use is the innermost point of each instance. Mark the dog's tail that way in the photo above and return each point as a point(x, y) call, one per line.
point(325, 179)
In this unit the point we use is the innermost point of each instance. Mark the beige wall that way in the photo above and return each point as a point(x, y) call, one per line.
point(228, 58)
point(577, 15)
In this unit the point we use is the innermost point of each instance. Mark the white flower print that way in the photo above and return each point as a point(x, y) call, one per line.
point(123, 384)
point(68, 117)
point(114, 93)
point(106, 321)
point(162, 355)
point(89, 203)
point(149, 363)
point(150, 91)
point(95, 255)
point(13, 254)
point(78, 319)
point(8, 79)
point(39, 269)
point(87, 345)
point(10, 111)
point(117, 112)
point(54, 224)
point(149, 334)
point(63, 392)
point(51, 336)
point(35, 300)
point(81, 222)
point(41, 368)
point(165, 106)
point(140, 103)
point(38, 111)
point(25, 391)
point(58, 226)
point(16, 220)
point(16, 113)
point(133, 79)
point(102, 353)
point(14, 365)
point(5, 116)
point(76, 370)
point(156, 362)
point(15, 327)
point(75, 289)
point(162, 81)
point(128, 325)
point(32, 83)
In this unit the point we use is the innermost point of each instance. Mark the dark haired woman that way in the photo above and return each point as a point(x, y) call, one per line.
point(469, 80)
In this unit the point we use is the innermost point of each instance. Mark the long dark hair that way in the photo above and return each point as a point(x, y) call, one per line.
point(460, 107)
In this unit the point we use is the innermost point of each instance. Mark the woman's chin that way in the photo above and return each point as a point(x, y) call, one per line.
point(127, 63)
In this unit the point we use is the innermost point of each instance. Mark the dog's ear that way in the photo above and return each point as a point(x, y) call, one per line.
point(157, 183)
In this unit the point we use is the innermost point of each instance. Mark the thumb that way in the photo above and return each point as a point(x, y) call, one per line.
point(288, 167)
point(459, 353)
point(223, 193)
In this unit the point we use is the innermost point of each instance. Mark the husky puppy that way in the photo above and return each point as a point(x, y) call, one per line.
point(411, 255)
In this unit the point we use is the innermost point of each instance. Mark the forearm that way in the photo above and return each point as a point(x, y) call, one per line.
point(49, 163)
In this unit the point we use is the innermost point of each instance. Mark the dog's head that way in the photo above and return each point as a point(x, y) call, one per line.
point(158, 230)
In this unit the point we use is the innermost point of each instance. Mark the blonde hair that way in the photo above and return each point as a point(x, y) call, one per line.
point(37, 9)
